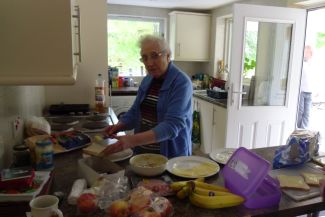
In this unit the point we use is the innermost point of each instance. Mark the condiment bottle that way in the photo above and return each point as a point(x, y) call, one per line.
point(44, 155)
point(100, 94)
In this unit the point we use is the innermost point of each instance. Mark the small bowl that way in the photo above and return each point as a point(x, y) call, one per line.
point(148, 164)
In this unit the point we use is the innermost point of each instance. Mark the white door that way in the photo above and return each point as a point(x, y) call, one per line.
point(263, 95)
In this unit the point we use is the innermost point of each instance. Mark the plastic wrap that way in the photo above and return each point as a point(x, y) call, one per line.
point(301, 146)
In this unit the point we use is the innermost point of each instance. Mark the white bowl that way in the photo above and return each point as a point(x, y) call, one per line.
point(148, 164)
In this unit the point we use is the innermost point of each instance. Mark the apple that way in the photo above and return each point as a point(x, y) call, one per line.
point(118, 208)
point(162, 206)
point(139, 199)
point(87, 202)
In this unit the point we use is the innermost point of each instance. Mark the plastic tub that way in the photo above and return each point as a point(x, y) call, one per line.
point(246, 174)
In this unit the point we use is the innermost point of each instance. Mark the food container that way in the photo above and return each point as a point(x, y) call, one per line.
point(91, 167)
point(246, 174)
point(148, 164)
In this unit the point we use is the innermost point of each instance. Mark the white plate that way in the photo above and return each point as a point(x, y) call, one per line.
point(192, 167)
point(122, 155)
point(118, 156)
point(222, 155)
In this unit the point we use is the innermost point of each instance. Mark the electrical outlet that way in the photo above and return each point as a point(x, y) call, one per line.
point(18, 128)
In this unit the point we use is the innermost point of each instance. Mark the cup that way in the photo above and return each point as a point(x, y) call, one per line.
point(45, 206)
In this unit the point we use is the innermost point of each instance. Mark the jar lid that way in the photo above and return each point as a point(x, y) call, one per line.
point(20, 147)
point(43, 142)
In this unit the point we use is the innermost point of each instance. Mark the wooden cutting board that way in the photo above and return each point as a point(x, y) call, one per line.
point(299, 195)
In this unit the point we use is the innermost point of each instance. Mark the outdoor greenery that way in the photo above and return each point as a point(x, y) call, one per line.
point(250, 53)
point(320, 39)
point(123, 50)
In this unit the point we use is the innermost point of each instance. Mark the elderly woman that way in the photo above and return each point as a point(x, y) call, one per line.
point(161, 115)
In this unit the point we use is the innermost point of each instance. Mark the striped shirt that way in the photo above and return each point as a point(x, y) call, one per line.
point(148, 110)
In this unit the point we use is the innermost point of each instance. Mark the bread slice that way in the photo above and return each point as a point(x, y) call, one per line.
point(313, 178)
point(293, 182)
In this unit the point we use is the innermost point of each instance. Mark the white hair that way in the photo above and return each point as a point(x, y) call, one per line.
point(154, 38)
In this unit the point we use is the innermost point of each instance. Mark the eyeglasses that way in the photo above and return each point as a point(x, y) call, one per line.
point(153, 56)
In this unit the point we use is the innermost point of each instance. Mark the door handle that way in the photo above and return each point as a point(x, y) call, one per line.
point(234, 92)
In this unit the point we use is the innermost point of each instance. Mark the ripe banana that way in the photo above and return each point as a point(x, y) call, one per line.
point(206, 192)
point(176, 186)
point(213, 202)
point(184, 192)
point(211, 187)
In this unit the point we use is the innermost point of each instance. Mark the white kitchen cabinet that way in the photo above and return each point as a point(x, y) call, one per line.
point(219, 117)
point(189, 36)
point(39, 42)
point(212, 125)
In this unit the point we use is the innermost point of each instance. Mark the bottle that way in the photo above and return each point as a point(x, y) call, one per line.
point(222, 72)
point(44, 155)
point(100, 94)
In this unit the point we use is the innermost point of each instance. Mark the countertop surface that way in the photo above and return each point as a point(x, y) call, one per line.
point(66, 172)
point(132, 91)
point(125, 91)
point(201, 94)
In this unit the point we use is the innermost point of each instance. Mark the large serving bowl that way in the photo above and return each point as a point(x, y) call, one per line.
point(148, 164)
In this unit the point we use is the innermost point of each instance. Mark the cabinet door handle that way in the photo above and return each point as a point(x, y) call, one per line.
point(78, 32)
point(213, 121)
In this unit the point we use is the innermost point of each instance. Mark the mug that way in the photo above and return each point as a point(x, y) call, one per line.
point(45, 206)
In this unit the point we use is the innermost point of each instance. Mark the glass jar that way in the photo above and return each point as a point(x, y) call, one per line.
point(21, 155)
point(44, 155)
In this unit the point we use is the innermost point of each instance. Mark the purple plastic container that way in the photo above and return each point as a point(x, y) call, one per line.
point(246, 174)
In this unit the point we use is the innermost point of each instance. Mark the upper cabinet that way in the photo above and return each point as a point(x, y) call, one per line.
point(40, 42)
point(189, 36)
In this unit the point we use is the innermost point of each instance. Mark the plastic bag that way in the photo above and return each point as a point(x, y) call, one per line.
point(301, 146)
point(196, 134)
point(141, 202)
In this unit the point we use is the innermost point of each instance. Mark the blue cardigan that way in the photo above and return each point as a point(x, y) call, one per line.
point(174, 110)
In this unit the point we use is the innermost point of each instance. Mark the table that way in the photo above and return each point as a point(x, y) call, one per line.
point(66, 172)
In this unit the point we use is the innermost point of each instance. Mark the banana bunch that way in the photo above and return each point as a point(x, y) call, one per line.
point(206, 195)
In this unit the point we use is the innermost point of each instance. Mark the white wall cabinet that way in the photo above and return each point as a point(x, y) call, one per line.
point(189, 36)
point(212, 125)
point(39, 42)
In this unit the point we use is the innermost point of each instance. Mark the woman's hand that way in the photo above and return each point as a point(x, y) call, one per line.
point(113, 129)
point(124, 142)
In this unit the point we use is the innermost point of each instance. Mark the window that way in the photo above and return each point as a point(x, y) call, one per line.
point(123, 35)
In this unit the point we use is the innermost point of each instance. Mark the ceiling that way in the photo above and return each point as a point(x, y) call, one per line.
point(172, 4)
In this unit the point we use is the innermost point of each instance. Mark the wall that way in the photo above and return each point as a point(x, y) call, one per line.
point(16, 101)
point(94, 56)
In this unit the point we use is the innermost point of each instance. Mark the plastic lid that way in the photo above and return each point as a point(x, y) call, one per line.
point(43, 143)
point(244, 172)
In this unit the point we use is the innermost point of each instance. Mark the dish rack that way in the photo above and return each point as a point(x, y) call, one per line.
point(217, 94)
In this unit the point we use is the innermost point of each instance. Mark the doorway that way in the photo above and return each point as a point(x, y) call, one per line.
point(315, 37)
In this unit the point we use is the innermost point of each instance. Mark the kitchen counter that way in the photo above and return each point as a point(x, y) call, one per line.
point(125, 91)
point(66, 172)
point(201, 94)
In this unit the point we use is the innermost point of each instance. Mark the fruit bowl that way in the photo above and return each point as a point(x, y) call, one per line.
point(148, 164)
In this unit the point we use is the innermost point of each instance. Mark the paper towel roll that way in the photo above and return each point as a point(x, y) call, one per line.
point(78, 186)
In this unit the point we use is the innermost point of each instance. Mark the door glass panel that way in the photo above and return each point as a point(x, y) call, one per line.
point(266, 61)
